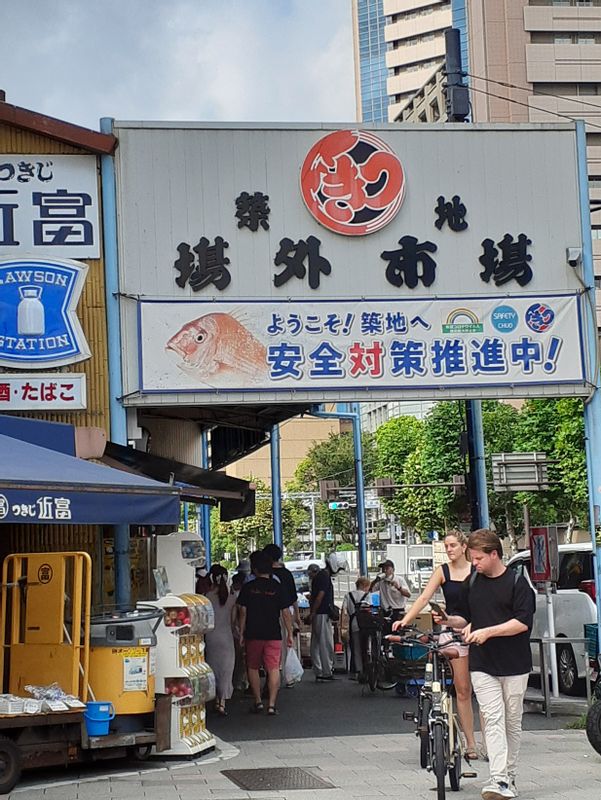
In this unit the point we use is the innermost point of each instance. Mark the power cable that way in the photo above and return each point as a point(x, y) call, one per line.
point(507, 85)
point(534, 108)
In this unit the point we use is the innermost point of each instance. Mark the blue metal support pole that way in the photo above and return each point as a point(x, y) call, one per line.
point(592, 408)
point(276, 484)
point(480, 515)
point(118, 431)
point(205, 510)
point(360, 489)
point(355, 417)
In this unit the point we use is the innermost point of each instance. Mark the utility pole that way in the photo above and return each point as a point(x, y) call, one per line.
point(458, 109)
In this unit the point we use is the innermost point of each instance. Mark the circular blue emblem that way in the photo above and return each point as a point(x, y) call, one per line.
point(504, 319)
point(539, 318)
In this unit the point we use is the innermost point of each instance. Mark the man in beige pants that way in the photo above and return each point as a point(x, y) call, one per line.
point(495, 612)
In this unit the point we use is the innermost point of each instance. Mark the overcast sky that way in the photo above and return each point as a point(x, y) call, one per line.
point(263, 60)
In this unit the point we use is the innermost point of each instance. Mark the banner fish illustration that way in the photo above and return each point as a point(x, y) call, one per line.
point(217, 344)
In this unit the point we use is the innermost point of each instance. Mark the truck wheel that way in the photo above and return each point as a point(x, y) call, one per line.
point(10, 765)
point(593, 726)
point(140, 752)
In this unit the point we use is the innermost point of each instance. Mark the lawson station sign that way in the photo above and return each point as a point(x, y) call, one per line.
point(39, 327)
point(292, 263)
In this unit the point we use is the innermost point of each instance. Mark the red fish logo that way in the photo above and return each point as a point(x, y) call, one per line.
point(352, 182)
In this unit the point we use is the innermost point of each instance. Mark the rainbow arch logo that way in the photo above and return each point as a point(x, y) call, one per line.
point(462, 320)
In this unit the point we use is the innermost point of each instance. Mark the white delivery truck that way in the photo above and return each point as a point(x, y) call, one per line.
point(415, 562)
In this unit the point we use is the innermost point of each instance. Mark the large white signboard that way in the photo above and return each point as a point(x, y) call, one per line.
point(49, 206)
point(302, 263)
point(357, 345)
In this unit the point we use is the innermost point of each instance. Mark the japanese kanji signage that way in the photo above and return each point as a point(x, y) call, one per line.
point(48, 392)
point(49, 205)
point(38, 508)
point(289, 261)
point(38, 322)
point(366, 344)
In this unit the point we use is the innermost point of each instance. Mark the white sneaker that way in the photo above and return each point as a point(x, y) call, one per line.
point(497, 790)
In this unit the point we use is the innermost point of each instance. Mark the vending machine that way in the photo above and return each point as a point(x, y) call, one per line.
point(180, 553)
point(181, 670)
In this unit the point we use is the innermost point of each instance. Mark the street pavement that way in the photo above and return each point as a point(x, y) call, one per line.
point(356, 742)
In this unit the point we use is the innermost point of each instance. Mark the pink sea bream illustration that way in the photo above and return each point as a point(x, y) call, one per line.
point(218, 346)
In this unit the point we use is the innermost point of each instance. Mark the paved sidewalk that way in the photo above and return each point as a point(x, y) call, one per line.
point(556, 765)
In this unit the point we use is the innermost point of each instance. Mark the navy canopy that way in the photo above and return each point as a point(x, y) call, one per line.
point(38, 485)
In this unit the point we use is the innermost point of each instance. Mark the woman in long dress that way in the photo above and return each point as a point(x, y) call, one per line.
point(220, 652)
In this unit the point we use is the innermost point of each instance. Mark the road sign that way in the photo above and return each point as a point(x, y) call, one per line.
point(520, 472)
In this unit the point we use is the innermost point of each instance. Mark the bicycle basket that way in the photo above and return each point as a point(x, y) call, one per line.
point(369, 618)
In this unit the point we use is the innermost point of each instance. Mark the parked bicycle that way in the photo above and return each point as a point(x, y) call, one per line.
point(437, 725)
point(374, 623)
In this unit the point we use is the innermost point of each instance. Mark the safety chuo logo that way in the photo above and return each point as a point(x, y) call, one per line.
point(38, 323)
point(352, 182)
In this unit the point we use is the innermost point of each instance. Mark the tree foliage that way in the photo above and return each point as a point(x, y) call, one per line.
point(334, 459)
point(240, 537)
point(429, 451)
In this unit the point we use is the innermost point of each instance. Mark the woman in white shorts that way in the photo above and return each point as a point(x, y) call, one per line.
point(449, 578)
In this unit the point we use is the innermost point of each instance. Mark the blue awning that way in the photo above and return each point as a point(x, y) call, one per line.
point(38, 485)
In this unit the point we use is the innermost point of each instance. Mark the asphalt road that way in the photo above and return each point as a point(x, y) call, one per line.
point(340, 708)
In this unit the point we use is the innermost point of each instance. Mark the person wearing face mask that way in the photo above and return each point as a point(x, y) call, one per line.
point(449, 577)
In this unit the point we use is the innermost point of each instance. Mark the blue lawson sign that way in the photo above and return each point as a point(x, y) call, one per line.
point(38, 322)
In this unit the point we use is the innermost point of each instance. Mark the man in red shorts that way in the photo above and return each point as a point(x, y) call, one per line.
point(262, 602)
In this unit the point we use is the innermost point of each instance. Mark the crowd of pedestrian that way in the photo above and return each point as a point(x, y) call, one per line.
point(257, 617)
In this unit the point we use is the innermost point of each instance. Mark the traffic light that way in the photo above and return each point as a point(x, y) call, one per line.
point(339, 505)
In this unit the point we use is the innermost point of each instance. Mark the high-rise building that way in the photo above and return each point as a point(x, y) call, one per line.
point(414, 36)
point(370, 60)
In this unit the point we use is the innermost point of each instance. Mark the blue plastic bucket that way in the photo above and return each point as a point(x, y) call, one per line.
point(97, 717)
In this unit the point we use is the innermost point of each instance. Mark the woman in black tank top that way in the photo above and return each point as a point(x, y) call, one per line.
point(449, 578)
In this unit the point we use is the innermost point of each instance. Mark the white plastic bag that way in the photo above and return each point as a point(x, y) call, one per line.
point(293, 668)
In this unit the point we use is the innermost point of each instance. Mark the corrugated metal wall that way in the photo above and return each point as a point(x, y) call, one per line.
point(91, 313)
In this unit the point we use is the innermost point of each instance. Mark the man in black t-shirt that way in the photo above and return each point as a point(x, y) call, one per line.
point(286, 578)
point(262, 604)
point(496, 610)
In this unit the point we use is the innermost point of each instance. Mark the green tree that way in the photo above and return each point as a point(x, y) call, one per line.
point(396, 440)
point(334, 459)
point(556, 427)
point(241, 536)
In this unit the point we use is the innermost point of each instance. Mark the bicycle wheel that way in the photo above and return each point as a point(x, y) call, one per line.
point(386, 681)
point(422, 730)
point(455, 771)
point(371, 666)
point(439, 764)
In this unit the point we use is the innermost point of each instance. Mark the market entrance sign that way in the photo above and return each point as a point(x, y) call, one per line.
point(293, 263)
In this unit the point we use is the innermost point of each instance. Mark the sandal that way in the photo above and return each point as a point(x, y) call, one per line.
point(257, 708)
point(220, 709)
point(471, 754)
point(272, 711)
